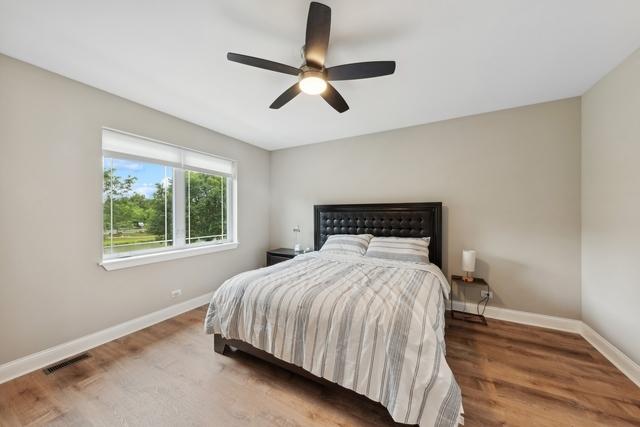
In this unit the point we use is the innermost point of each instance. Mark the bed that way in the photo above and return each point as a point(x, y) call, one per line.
point(374, 326)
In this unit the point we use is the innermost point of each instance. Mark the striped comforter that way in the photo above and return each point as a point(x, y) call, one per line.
point(371, 325)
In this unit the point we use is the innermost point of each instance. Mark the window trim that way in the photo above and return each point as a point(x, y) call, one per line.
point(175, 251)
point(167, 255)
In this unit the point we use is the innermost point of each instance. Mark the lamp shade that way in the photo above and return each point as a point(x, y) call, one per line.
point(468, 260)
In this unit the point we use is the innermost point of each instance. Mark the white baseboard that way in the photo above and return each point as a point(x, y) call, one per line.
point(32, 362)
point(525, 317)
point(620, 360)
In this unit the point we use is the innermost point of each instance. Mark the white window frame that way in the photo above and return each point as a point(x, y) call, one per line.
point(179, 248)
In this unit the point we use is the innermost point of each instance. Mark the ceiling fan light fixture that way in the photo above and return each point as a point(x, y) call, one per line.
point(313, 83)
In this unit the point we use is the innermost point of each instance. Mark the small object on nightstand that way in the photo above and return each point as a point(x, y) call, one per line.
point(296, 246)
point(468, 264)
point(275, 256)
point(470, 317)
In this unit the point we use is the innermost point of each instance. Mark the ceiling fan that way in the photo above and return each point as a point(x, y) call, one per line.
point(313, 77)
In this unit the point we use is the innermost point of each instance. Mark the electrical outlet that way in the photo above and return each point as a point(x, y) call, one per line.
point(484, 294)
point(176, 293)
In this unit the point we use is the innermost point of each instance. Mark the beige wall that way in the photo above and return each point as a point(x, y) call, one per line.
point(611, 207)
point(51, 287)
point(510, 181)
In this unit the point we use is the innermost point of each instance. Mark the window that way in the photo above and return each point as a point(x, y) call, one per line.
point(160, 199)
point(137, 206)
point(206, 207)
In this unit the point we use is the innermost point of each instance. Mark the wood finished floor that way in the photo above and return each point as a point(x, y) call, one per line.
point(168, 375)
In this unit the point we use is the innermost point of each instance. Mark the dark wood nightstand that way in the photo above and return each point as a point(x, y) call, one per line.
point(275, 256)
point(470, 317)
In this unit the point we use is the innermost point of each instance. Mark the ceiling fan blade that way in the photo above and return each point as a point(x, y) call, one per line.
point(333, 98)
point(361, 70)
point(263, 63)
point(317, 39)
point(286, 96)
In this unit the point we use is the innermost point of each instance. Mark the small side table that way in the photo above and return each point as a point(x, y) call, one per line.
point(275, 256)
point(464, 315)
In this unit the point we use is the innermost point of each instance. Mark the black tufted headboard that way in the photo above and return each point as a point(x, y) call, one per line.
point(385, 219)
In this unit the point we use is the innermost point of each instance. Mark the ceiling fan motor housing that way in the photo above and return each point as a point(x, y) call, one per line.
point(306, 71)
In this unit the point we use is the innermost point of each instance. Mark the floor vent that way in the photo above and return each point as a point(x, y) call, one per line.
point(51, 369)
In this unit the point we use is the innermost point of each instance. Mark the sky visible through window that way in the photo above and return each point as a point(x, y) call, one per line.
point(146, 174)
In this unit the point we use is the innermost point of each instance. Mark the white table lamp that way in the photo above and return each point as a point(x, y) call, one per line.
point(468, 264)
point(296, 232)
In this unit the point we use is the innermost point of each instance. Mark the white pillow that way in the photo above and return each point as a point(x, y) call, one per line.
point(409, 249)
point(347, 244)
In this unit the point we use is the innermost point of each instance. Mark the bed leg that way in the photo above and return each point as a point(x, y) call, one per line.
point(219, 344)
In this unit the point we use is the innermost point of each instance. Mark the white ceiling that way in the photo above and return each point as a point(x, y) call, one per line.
point(454, 57)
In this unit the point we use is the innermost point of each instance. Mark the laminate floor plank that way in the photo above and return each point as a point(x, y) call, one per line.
point(168, 375)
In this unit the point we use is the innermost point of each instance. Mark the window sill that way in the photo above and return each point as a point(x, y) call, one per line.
point(133, 261)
